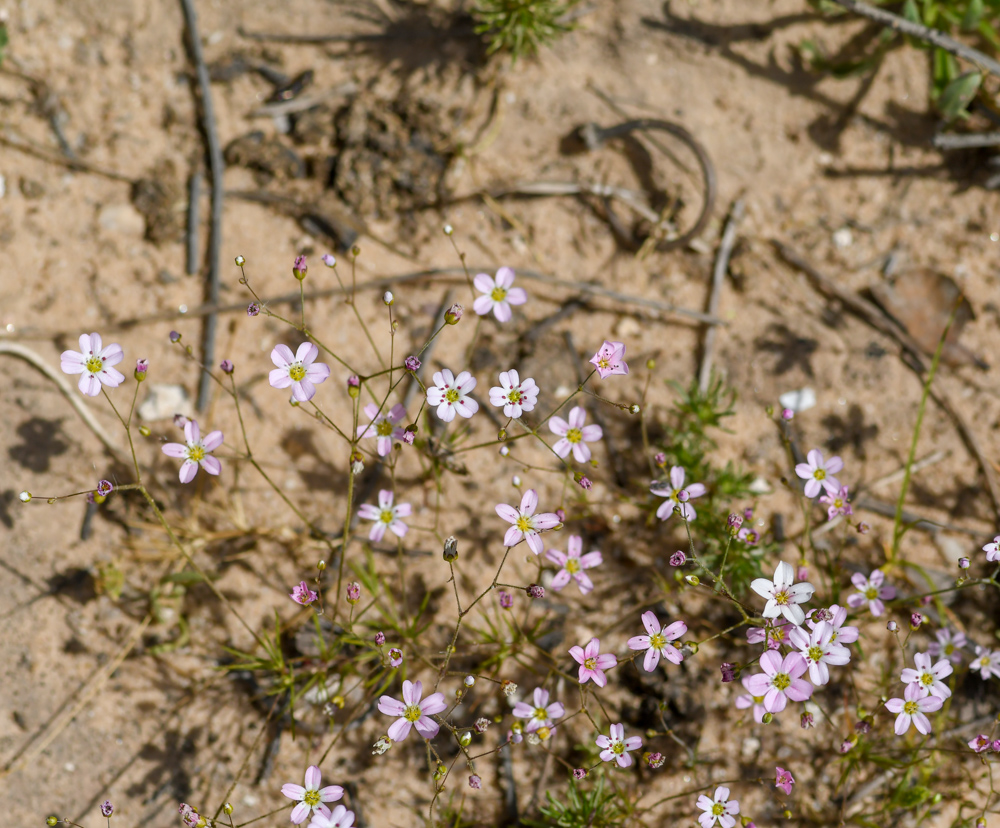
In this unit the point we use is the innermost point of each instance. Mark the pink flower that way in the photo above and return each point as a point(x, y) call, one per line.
point(383, 427)
point(948, 644)
point(386, 516)
point(340, 817)
point(592, 663)
point(783, 597)
point(526, 524)
point(299, 370)
point(819, 474)
point(515, 395)
point(775, 632)
point(751, 537)
point(836, 503)
point(672, 494)
point(93, 363)
point(450, 394)
point(718, 810)
point(911, 708)
point(835, 616)
point(992, 550)
point(395, 657)
point(750, 700)
point(615, 748)
point(610, 359)
point(655, 644)
point(928, 678)
point(311, 797)
point(870, 589)
point(818, 649)
point(412, 712)
point(779, 680)
point(573, 564)
point(980, 743)
point(574, 435)
point(783, 780)
point(987, 662)
point(196, 452)
point(541, 713)
point(301, 594)
point(498, 295)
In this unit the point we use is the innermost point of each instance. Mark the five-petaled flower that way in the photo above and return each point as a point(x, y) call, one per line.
point(196, 452)
point(911, 708)
point(592, 662)
point(610, 359)
point(949, 644)
point(301, 594)
point(783, 780)
point(541, 713)
point(818, 649)
point(383, 427)
point(657, 644)
point(721, 809)
point(573, 564)
point(312, 796)
point(574, 435)
point(412, 712)
point(339, 817)
point(836, 503)
point(94, 364)
point(672, 492)
point(386, 516)
point(871, 591)
point(783, 596)
point(927, 677)
point(614, 748)
point(498, 295)
point(987, 662)
point(514, 394)
point(779, 680)
point(450, 394)
point(818, 473)
point(526, 525)
point(299, 370)
point(992, 550)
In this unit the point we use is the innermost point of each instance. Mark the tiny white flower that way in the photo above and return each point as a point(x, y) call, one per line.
point(783, 596)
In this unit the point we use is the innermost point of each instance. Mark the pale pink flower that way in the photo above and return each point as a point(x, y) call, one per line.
point(615, 747)
point(911, 708)
point(819, 474)
point(836, 503)
point(386, 516)
point(818, 649)
point(526, 524)
point(574, 435)
point(610, 359)
point(783, 596)
point(872, 591)
point(783, 780)
point(312, 796)
point(672, 490)
point(514, 394)
point(573, 564)
point(928, 678)
point(541, 713)
point(987, 662)
point(339, 817)
point(780, 680)
point(719, 810)
point(301, 594)
point(592, 662)
point(750, 700)
point(948, 644)
point(498, 295)
point(992, 550)
point(383, 427)
point(656, 643)
point(412, 712)
point(835, 616)
point(980, 743)
point(450, 394)
point(196, 452)
point(299, 370)
point(94, 364)
point(775, 632)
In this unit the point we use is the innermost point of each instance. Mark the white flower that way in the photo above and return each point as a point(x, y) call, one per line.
point(311, 797)
point(386, 516)
point(299, 370)
point(615, 748)
point(992, 550)
point(720, 809)
point(783, 598)
point(987, 662)
point(450, 394)
point(818, 649)
point(340, 817)
point(574, 435)
point(93, 363)
point(928, 678)
point(515, 395)
point(911, 708)
point(498, 295)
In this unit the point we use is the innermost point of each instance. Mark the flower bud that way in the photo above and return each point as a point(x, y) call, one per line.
point(411, 363)
point(863, 727)
point(25, 497)
point(693, 580)
point(748, 513)
point(353, 386)
point(240, 261)
point(535, 591)
point(175, 336)
point(141, 366)
point(515, 481)
point(329, 261)
point(388, 298)
point(481, 724)
point(848, 743)
point(107, 809)
point(227, 809)
point(561, 515)
point(728, 672)
point(453, 314)
point(353, 592)
point(506, 599)
point(916, 619)
point(787, 414)
point(226, 366)
point(465, 738)
point(253, 309)
point(660, 459)
point(892, 626)
point(451, 549)
point(475, 782)
point(469, 681)
point(583, 481)
point(448, 229)
point(767, 718)
point(963, 563)
point(802, 573)
point(579, 773)
point(145, 431)
point(300, 268)
point(683, 496)
point(734, 522)
point(408, 437)
point(981, 822)
point(678, 558)
point(379, 638)
point(52, 820)
point(634, 409)
point(655, 760)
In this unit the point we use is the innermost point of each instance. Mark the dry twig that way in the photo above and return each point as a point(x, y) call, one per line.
point(718, 277)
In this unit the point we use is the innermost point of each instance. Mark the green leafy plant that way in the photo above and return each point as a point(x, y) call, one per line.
point(582, 809)
point(521, 26)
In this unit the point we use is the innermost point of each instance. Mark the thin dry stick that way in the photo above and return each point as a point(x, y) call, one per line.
point(922, 463)
point(950, 141)
point(718, 277)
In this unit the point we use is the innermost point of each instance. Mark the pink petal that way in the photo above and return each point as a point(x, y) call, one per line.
point(562, 577)
point(483, 305)
point(90, 385)
point(484, 284)
point(650, 622)
point(85, 345)
point(562, 447)
point(314, 778)
point(306, 353)
point(556, 556)
point(677, 477)
point(603, 741)
point(411, 692)
point(71, 362)
point(505, 277)
point(303, 390)
point(112, 355)
point(278, 378)
point(591, 559)
point(815, 458)
point(211, 464)
point(578, 654)
point(581, 452)
point(318, 372)
point(434, 703)
point(770, 663)
point(557, 425)
point(212, 440)
point(517, 296)
point(529, 502)
point(666, 510)
point(399, 730)
point(650, 660)
point(507, 512)
point(391, 706)
point(296, 792)
point(577, 417)
point(331, 793)
point(188, 470)
point(371, 411)
point(512, 536)
point(95, 343)
point(299, 813)
point(502, 311)
point(282, 356)
point(638, 642)
point(174, 450)
point(546, 520)
point(593, 433)
point(534, 543)
point(427, 727)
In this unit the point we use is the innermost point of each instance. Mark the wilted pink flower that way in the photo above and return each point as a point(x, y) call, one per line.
point(592, 662)
point(719, 810)
point(383, 427)
point(301, 594)
point(836, 503)
point(299, 370)
point(980, 743)
point(312, 796)
point(300, 268)
point(615, 747)
point(386, 516)
point(819, 650)
point(475, 782)
point(574, 435)
point(783, 780)
point(872, 591)
point(94, 364)
point(253, 309)
point(526, 525)
point(514, 394)
point(412, 712)
point(660, 458)
point(411, 363)
point(226, 366)
point(573, 564)
point(787, 414)
point(818, 473)
point(678, 558)
point(948, 644)
point(395, 657)
point(992, 550)
point(379, 638)
point(728, 672)
point(927, 677)
point(775, 632)
point(196, 452)
point(506, 599)
point(987, 662)
point(107, 809)
point(656, 643)
point(783, 596)
point(450, 395)
point(911, 708)
point(671, 491)
point(655, 760)
point(610, 359)
point(579, 773)
point(541, 713)
point(916, 619)
point(498, 295)
point(535, 591)
point(353, 592)
point(105, 487)
point(779, 680)
point(806, 721)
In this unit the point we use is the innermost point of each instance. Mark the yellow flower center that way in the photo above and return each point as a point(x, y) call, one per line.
point(782, 681)
point(384, 428)
point(590, 663)
point(758, 699)
point(541, 714)
point(926, 679)
point(815, 654)
point(451, 395)
point(94, 364)
point(949, 649)
point(297, 372)
point(311, 798)
point(838, 503)
point(718, 809)
point(871, 593)
point(574, 435)
point(911, 707)
point(618, 748)
point(386, 516)
point(604, 362)
point(412, 713)
point(572, 565)
point(196, 453)
point(820, 474)
point(523, 523)
point(498, 294)
point(781, 598)
point(514, 396)
point(656, 641)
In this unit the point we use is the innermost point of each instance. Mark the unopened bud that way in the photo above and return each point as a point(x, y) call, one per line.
point(411, 363)
point(767, 718)
point(448, 229)
point(634, 409)
point(579, 773)
point(453, 314)
point(379, 638)
point(787, 414)
point(693, 580)
point(300, 268)
point(353, 386)
point(963, 563)
point(52, 820)
point(465, 738)
point(469, 681)
point(145, 431)
point(227, 809)
point(451, 549)
point(175, 336)
point(683, 496)
point(916, 619)
point(25, 497)
point(226, 366)
point(141, 367)
point(660, 459)
point(678, 558)
point(892, 626)
point(535, 591)
point(329, 261)
point(240, 261)
point(353, 592)
point(387, 298)
point(735, 521)
point(475, 782)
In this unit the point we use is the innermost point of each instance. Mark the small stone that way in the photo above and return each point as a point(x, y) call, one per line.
point(122, 218)
point(164, 401)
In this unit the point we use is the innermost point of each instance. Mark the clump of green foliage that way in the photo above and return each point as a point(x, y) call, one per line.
point(520, 27)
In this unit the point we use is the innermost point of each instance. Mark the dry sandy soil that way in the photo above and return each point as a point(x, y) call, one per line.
point(839, 169)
